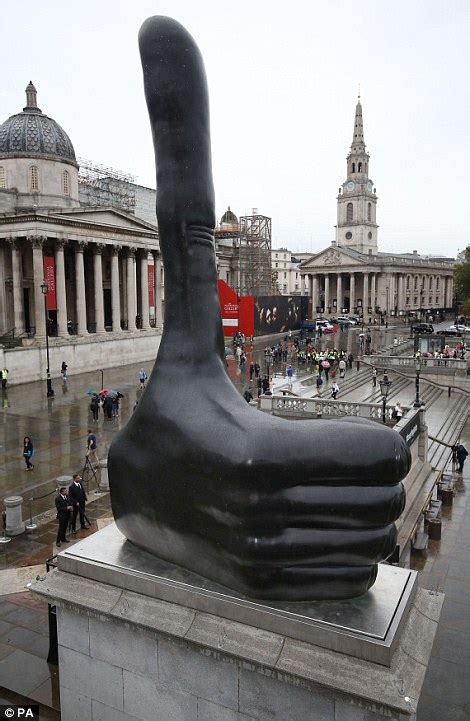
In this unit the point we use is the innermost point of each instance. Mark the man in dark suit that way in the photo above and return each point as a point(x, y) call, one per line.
point(78, 499)
point(64, 508)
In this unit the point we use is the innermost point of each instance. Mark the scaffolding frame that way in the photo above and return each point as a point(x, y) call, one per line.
point(101, 185)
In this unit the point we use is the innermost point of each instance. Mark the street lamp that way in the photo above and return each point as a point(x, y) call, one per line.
point(385, 385)
point(50, 390)
point(417, 403)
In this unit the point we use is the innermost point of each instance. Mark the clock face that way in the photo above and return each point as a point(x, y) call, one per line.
point(350, 186)
point(369, 186)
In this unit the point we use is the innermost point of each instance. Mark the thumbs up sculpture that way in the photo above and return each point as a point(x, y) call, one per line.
point(271, 508)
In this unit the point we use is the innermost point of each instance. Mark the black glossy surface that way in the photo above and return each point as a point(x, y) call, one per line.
point(265, 506)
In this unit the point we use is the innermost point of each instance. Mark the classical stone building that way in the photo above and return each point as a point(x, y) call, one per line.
point(102, 266)
point(352, 276)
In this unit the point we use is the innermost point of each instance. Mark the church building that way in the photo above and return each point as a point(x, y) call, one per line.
point(353, 276)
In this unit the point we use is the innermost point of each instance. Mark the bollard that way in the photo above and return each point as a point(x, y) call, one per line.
point(4, 538)
point(104, 480)
point(434, 529)
point(357, 365)
point(447, 495)
point(449, 391)
point(31, 526)
point(14, 515)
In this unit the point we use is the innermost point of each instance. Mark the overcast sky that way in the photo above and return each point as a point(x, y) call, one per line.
point(283, 79)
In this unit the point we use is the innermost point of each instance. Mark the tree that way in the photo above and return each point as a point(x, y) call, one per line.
point(462, 281)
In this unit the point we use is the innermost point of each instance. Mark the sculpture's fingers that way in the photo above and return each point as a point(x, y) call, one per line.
point(178, 105)
point(303, 506)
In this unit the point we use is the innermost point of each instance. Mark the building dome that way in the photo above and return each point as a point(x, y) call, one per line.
point(229, 218)
point(33, 134)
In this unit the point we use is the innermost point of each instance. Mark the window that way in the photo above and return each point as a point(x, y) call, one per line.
point(3, 179)
point(359, 168)
point(430, 300)
point(354, 167)
point(430, 282)
point(66, 182)
point(276, 265)
point(349, 212)
point(416, 282)
point(34, 178)
point(285, 276)
point(415, 301)
point(407, 282)
point(369, 211)
point(437, 283)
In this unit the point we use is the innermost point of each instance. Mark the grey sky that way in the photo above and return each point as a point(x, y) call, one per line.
point(283, 81)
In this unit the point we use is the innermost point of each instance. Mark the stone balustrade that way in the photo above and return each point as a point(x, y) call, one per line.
point(289, 406)
point(434, 365)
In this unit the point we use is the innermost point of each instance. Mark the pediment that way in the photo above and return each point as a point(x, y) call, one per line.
point(108, 216)
point(330, 257)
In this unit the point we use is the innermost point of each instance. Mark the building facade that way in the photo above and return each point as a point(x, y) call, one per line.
point(286, 272)
point(353, 276)
point(81, 274)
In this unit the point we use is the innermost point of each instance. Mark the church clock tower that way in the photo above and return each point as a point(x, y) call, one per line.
point(357, 201)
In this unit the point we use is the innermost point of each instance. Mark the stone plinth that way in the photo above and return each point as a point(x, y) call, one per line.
point(14, 515)
point(128, 654)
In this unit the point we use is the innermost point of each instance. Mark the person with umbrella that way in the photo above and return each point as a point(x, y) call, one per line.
point(325, 364)
point(95, 406)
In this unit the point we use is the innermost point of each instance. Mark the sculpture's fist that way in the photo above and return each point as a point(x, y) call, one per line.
point(272, 508)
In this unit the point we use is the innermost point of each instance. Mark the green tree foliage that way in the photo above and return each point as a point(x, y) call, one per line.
point(462, 282)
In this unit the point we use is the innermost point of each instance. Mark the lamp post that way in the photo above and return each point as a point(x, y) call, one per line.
point(385, 385)
point(417, 403)
point(50, 390)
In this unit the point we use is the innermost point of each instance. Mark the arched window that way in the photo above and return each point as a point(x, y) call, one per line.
point(349, 212)
point(3, 177)
point(359, 168)
point(354, 167)
point(66, 182)
point(416, 282)
point(34, 178)
point(407, 282)
point(369, 211)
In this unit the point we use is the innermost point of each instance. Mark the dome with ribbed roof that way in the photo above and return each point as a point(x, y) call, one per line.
point(33, 134)
point(229, 217)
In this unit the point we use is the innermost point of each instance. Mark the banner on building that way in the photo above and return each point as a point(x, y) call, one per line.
point(151, 281)
point(49, 277)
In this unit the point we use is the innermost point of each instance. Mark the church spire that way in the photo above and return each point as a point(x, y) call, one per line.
point(358, 135)
point(31, 99)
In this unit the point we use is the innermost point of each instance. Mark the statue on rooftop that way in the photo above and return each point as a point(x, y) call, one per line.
point(274, 509)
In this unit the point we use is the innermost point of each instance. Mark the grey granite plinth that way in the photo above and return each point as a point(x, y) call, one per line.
point(367, 627)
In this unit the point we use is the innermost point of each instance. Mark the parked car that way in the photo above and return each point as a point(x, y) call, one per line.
point(422, 328)
point(449, 332)
point(326, 326)
point(344, 320)
point(460, 328)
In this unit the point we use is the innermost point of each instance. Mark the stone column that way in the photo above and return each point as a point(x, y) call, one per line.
point(373, 292)
point(61, 292)
point(401, 292)
point(131, 296)
point(327, 292)
point(115, 297)
point(38, 278)
point(144, 290)
point(18, 303)
point(352, 292)
point(98, 287)
point(315, 293)
point(158, 292)
point(339, 294)
point(80, 298)
point(302, 284)
point(365, 294)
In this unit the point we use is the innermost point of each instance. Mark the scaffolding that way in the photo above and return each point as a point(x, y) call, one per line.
point(100, 185)
point(255, 254)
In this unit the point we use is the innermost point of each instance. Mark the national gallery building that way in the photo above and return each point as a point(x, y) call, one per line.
point(87, 274)
point(352, 276)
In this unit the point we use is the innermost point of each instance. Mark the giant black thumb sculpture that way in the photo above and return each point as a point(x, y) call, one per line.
point(268, 507)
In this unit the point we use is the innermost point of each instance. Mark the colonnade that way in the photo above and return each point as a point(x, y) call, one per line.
point(80, 287)
point(373, 292)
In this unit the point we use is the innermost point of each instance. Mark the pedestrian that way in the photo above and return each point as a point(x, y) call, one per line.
point(95, 407)
point(319, 383)
point(28, 451)
point(77, 498)
point(257, 369)
point(259, 385)
point(374, 377)
point(142, 377)
point(342, 368)
point(289, 373)
point(108, 407)
point(460, 453)
point(91, 444)
point(63, 370)
point(350, 360)
point(242, 362)
point(325, 364)
point(64, 508)
point(252, 370)
point(397, 412)
point(334, 390)
point(266, 386)
point(248, 396)
point(4, 377)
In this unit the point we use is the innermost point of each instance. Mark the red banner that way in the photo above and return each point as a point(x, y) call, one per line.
point(237, 311)
point(49, 277)
point(151, 281)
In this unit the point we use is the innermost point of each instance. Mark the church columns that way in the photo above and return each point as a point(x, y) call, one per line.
point(144, 290)
point(365, 293)
point(131, 290)
point(315, 294)
point(18, 303)
point(352, 292)
point(115, 297)
point(38, 278)
point(302, 284)
point(401, 292)
point(373, 292)
point(339, 293)
point(61, 295)
point(98, 288)
point(327, 293)
point(80, 289)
